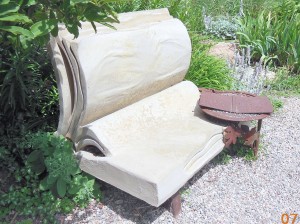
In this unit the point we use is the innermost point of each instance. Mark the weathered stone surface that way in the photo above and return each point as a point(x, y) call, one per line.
point(122, 92)
point(223, 50)
point(154, 146)
point(65, 88)
point(147, 53)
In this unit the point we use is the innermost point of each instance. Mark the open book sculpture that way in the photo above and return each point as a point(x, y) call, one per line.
point(121, 91)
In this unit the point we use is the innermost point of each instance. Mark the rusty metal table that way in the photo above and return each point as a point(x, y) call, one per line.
point(235, 107)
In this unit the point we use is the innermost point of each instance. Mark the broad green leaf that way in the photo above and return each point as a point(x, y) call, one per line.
point(73, 29)
point(61, 187)
point(34, 156)
point(91, 182)
point(17, 30)
point(16, 18)
point(52, 14)
point(74, 189)
point(31, 2)
point(38, 167)
point(74, 2)
point(26, 42)
point(75, 171)
point(51, 179)
point(43, 27)
point(40, 15)
point(5, 9)
point(44, 184)
point(242, 34)
point(4, 2)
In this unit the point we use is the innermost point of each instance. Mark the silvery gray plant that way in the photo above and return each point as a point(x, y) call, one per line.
point(223, 27)
point(247, 78)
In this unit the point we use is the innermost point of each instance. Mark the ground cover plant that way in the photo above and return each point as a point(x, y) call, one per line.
point(207, 71)
point(51, 165)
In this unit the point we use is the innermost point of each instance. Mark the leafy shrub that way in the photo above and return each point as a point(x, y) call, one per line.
point(53, 158)
point(50, 180)
point(258, 33)
point(221, 27)
point(28, 20)
point(28, 200)
point(274, 36)
point(208, 71)
point(188, 11)
point(25, 27)
point(27, 87)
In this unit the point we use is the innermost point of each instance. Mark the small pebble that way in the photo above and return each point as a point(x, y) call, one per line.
point(119, 202)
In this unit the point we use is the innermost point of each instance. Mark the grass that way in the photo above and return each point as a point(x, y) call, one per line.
point(237, 150)
point(274, 34)
point(276, 103)
point(205, 70)
point(286, 82)
point(188, 11)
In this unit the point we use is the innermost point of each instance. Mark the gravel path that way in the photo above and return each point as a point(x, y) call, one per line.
point(238, 192)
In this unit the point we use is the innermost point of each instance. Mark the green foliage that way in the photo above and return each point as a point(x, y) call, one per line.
point(27, 221)
point(224, 157)
point(10, 17)
point(274, 35)
point(49, 182)
point(232, 7)
point(208, 71)
point(25, 80)
point(53, 158)
point(236, 150)
point(28, 200)
point(188, 11)
point(28, 20)
point(7, 161)
point(25, 27)
point(221, 7)
point(28, 96)
point(222, 27)
point(57, 160)
point(243, 151)
point(259, 34)
point(276, 103)
point(286, 82)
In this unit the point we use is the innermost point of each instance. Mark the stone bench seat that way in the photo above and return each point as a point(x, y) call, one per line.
point(122, 92)
point(154, 146)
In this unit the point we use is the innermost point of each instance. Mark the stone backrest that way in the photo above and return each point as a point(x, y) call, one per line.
point(101, 73)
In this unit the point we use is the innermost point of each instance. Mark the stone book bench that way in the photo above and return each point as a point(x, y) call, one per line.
point(122, 92)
